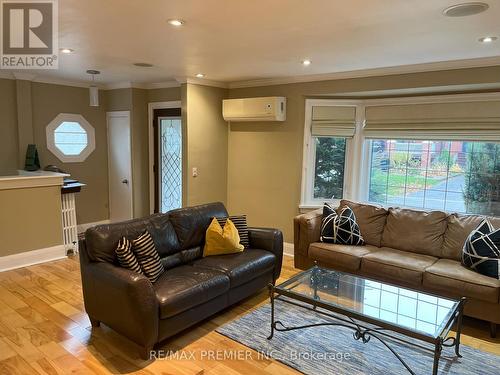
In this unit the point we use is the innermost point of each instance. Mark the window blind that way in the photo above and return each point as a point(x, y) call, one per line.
point(334, 121)
point(473, 120)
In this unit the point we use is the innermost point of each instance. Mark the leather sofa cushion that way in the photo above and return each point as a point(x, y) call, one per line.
point(240, 267)
point(184, 287)
point(191, 223)
point(416, 231)
point(341, 257)
point(370, 218)
point(450, 277)
point(181, 257)
point(458, 229)
point(306, 229)
point(396, 266)
point(101, 240)
point(495, 221)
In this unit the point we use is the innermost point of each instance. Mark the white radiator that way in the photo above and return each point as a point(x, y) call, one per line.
point(70, 233)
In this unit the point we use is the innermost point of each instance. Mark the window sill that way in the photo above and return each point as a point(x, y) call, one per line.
point(309, 206)
point(306, 207)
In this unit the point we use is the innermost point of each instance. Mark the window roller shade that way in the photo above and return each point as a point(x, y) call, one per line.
point(475, 120)
point(333, 121)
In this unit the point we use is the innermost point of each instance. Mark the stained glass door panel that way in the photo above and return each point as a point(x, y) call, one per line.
point(170, 164)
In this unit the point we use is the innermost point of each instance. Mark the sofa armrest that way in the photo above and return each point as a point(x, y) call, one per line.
point(271, 240)
point(122, 299)
point(306, 230)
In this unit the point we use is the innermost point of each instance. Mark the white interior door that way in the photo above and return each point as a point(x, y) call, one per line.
point(119, 166)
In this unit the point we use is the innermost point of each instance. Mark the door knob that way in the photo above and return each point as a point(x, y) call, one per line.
point(124, 181)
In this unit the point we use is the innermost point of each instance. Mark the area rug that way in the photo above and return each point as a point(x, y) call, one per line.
point(333, 350)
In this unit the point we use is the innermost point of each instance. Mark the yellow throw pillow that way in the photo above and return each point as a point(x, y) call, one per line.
point(220, 241)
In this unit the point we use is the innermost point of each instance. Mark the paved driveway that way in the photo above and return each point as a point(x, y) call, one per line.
point(435, 198)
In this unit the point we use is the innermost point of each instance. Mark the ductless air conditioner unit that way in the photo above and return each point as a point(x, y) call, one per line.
point(272, 108)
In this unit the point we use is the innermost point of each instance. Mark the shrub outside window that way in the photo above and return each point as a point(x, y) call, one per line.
point(330, 156)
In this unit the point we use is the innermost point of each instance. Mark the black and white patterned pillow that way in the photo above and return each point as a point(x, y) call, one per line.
point(240, 222)
point(481, 251)
point(126, 257)
point(147, 256)
point(340, 228)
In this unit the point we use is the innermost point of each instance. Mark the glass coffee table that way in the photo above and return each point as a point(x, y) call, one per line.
point(373, 309)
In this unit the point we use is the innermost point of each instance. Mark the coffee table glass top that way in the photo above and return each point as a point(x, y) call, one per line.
point(409, 309)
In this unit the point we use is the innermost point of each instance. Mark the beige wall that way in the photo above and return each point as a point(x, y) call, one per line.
point(25, 110)
point(8, 127)
point(50, 100)
point(117, 100)
point(265, 159)
point(255, 169)
point(40, 226)
point(164, 95)
point(136, 101)
point(207, 137)
point(140, 152)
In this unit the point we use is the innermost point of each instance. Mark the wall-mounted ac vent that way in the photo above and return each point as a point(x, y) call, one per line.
point(272, 108)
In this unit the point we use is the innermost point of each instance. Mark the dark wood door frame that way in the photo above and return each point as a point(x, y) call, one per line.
point(157, 114)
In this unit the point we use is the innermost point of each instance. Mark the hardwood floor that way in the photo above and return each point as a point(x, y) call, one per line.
point(44, 329)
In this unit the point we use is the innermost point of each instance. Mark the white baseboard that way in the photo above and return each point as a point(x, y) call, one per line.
point(83, 227)
point(29, 258)
point(288, 249)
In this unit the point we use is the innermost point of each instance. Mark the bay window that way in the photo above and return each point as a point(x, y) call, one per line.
point(430, 153)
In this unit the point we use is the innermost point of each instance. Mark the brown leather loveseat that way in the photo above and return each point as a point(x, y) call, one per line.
point(191, 289)
point(417, 249)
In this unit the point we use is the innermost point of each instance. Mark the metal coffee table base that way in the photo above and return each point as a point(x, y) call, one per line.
point(364, 333)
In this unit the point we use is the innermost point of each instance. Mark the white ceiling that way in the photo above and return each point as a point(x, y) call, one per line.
point(241, 40)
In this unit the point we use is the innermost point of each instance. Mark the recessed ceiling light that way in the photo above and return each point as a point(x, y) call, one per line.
point(67, 50)
point(306, 62)
point(143, 65)
point(465, 9)
point(488, 39)
point(176, 22)
point(200, 75)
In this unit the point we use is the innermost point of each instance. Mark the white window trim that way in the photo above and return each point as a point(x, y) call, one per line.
point(309, 150)
point(70, 117)
point(358, 150)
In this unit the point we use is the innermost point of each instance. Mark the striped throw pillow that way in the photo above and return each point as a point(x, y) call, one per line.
point(147, 256)
point(126, 257)
point(240, 222)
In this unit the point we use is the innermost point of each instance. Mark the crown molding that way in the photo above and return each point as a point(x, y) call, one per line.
point(6, 75)
point(63, 82)
point(202, 82)
point(117, 86)
point(163, 85)
point(394, 70)
point(403, 69)
point(109, 86)
point(42, 79)
point(144, 86)
point(24, 76)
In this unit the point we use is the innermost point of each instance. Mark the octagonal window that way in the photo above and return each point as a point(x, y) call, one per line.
point(70, 137)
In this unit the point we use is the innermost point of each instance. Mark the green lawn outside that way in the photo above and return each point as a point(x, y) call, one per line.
point(397, 182)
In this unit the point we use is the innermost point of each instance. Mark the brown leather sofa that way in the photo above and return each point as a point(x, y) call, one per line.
point(191, 289)
point(417, 249)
